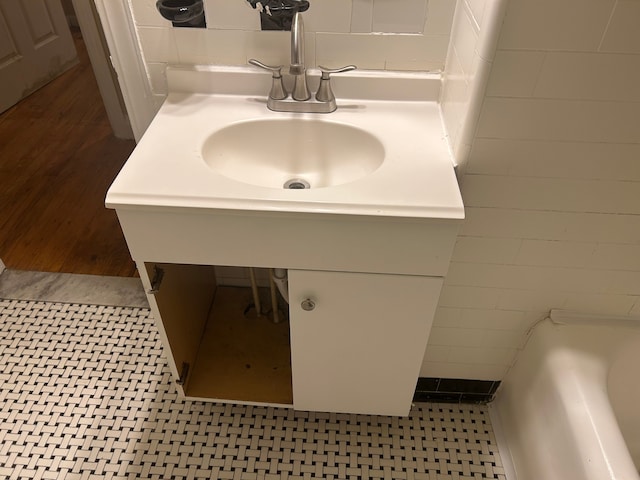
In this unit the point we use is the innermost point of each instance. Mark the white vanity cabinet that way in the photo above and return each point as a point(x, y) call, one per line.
point(369, 288)
point(357, 340)
point(354, 342)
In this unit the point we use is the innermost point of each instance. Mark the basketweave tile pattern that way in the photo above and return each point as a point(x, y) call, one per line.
point(85, 393)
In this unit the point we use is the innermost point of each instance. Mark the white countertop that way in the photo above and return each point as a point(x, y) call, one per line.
point(167, 169)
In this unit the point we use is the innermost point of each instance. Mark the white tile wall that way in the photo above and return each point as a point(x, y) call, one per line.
point(329, 16)
point(552, 184)
point(210, 47)
point(159, 45)
point(559, 119)
point(490, 249)
point(399, 16)
point(361, 16)
point(372, 34)
point(515, 73)
point(572, 195)
point(555, 159)
point(589, 76)
point(229, 15)
point(555, 253)
point(469, 58)
point(622, 34)
point(439, 17)
point(551, 225)
point(567, 25)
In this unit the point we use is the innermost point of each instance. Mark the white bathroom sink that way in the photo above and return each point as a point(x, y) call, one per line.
point(292, 153)
point(215, 145)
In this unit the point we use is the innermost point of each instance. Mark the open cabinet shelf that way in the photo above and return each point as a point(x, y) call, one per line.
point(242, 357)
point(220, 352)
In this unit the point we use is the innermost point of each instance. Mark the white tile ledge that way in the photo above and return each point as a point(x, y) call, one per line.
point(357, 84)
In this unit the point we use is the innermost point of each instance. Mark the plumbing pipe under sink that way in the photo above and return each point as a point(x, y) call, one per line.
point(278, 279)
point(254, 292)
point(281, 279)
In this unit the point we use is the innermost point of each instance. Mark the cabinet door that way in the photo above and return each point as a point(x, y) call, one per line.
point(358, 340)
point(181, 300)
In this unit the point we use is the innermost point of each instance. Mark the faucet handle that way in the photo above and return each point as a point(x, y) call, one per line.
point(277, 87)
point(324, 93)
point(328, 71)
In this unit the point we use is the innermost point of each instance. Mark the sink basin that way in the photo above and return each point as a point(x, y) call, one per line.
point(293, 153)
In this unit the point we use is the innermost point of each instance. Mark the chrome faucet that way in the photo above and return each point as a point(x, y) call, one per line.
point(297, 68)
point(300, 99)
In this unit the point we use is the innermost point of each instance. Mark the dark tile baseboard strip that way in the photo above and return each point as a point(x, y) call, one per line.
point(455, 390)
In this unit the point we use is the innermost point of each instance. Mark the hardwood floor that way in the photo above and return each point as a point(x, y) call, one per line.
point(58, 157)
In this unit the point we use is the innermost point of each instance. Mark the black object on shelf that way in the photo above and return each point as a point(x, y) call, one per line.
point(183, 13)
point(278, 14)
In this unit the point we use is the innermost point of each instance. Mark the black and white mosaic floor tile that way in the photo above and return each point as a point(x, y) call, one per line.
point(85, 394)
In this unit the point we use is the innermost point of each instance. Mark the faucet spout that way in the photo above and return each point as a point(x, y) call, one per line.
point(297, 45)
point(297, 68)
point(299, 99)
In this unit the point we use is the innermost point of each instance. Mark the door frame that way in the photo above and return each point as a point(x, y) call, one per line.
point(86, 18)
point(126, 58)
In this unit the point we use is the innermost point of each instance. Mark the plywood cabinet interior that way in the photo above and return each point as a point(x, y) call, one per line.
point(215, 351)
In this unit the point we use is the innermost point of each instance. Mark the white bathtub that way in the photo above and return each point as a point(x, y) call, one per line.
point(570, 407)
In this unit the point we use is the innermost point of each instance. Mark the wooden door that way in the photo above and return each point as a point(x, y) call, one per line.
point(360, 348)
point(35, 47)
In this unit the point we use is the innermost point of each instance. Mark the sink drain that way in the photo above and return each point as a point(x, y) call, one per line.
point(296, 184)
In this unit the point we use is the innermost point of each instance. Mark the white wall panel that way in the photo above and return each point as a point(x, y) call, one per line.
point(560, 119)
point(622, 34)
point(591, 76)
point(197, 46)
point(486, 249)
point(230, 15)
point(569, 195)
point(515, 73)
point(556, 159)
point(439, 17)
point(158, 44)
point(469, 297)
point(553, 25)
point(607, 304)
point(552, 225)
point(555, 253)
point(329, 16)
point(145, 14)
point(399, 16)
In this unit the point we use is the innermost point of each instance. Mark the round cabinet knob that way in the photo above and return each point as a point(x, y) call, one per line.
point(308, 304)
